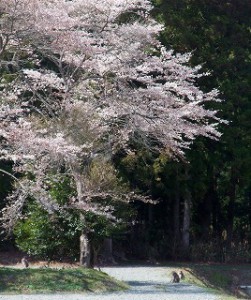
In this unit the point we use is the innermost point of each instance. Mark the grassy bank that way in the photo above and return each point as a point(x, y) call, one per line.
point(224, 278)
point(50, 280)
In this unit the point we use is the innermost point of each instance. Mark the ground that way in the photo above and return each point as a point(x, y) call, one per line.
point(223, 277)
point(13, 258)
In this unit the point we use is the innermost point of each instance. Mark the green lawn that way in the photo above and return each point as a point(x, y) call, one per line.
point(223, 277)
point(50, 280)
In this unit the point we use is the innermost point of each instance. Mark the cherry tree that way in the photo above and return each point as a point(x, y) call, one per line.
point(79, 80)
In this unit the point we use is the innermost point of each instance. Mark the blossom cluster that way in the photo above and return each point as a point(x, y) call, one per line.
point(86, 76)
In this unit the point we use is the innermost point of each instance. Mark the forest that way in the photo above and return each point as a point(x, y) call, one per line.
point(125, 125)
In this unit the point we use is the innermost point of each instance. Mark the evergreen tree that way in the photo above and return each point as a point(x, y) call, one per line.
point(218, 33)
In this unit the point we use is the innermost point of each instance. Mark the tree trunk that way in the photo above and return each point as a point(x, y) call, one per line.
point(206, 213)
point(84, 243)
point(231, 208)
point(95, 249)
point(186, 219)
point(108, 251)
point(216, 211)
point(150, 214)
point(249, 211)
point(186, 223)
point(176, 217)
point(85, 251)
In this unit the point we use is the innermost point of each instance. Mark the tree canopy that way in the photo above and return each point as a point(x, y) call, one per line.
point(79, 81)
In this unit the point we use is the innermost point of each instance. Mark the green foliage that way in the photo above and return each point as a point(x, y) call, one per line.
point(48, 236)
point(104, 177)
point(218, 173)
point(61, 188)
point(56, 235)
point(5, 180)
point(218, 34)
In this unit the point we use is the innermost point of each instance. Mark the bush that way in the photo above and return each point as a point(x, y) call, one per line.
point(48, 236)
point(57, 235)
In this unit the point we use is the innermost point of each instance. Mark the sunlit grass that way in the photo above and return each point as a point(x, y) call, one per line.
point(56, 280)
point(223, 278)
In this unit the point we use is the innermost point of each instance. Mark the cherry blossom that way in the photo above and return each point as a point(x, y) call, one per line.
point(84, 78)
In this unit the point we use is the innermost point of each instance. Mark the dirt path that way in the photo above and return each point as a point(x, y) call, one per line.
point(146, 283)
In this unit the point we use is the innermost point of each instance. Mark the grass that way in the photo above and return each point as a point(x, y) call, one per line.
point(221, 277)
point(27, 281)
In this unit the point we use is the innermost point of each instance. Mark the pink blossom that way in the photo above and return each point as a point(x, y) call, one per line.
point(105, 81)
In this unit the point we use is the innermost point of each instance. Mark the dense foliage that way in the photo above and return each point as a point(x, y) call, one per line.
point(79, 81)
point(48, 236)
point(218, 175)
point(87, 84)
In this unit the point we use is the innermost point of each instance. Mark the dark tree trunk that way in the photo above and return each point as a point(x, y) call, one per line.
point(108, 251)
point(150, 214)
point(206, 212)
point(231, 208)
point(249, 211)
point(186, 218)
point(186, 223)
point(216, 213)
point(176, 218)
point(95, 249)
